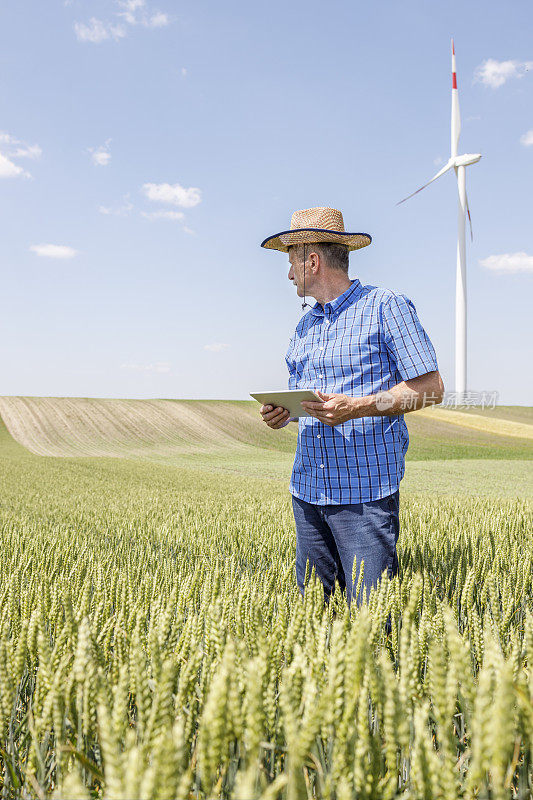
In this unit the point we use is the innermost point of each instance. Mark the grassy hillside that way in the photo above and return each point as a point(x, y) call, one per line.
point(201, 438)
point(94, 427)
point(442, 434)
point(72, 427)
point(522, 414)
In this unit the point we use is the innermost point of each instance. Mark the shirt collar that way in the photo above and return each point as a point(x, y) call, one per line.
point(334, 307)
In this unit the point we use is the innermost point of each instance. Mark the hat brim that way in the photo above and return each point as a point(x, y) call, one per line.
point(283, 240)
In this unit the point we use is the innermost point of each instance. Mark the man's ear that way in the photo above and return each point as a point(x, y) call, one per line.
point(315, 261)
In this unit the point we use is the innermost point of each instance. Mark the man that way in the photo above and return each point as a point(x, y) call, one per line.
point(365, 353)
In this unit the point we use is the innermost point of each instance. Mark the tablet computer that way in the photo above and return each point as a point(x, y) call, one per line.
point(289, 398)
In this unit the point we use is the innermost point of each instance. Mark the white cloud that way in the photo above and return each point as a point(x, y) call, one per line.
point(101, 158)
point(177, 216)
point(28, 151)
point(135, 12)
point(161, 367)
point(118, 211)
point(509, 262)
point(53, 250)
point(438, 160)
point(183, 72)
point(12, 148)
point(527, 138)
point(100, 155)
point(129, 13)
point(216, 347)
point(8, 169)
point(158, 20)
point(131, 6)
point(97, 31)
point(495, 73)
point(172, 194)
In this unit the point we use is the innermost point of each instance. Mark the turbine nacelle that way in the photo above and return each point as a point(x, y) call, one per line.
point(453, 162)
point(466, 159)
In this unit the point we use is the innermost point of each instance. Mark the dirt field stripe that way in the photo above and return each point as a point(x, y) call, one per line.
point(498, 425)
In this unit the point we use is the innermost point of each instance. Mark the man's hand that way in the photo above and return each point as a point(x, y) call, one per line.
point(408, 395)
point(334, 409)
point(275, 417)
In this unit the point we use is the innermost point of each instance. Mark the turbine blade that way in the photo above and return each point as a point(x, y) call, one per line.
point(469, 217)
point(456, 117)
point(445, 168)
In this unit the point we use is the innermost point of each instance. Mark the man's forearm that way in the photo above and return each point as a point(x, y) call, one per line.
point(400, 399)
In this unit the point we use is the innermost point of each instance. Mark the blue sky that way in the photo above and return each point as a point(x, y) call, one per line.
point(148, 148)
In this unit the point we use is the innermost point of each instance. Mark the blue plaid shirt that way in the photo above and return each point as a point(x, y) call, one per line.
point(366, 340)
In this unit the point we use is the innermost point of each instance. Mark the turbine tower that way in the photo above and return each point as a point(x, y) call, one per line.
point(459, 163)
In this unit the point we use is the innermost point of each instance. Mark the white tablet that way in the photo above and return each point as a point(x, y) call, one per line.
point(290, 399)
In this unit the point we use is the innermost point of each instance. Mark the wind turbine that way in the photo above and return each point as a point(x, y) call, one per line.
point(459, 163)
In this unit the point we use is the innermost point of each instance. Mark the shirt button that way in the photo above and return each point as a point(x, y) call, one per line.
point(320, 348)
point(322, 466)
point(318, 436)
point(320, 376)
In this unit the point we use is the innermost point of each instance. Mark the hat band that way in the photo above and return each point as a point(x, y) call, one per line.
point(314, 230)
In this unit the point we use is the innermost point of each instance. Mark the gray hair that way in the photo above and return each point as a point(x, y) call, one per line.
point(336, 256)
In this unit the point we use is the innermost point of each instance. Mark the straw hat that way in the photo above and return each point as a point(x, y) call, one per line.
point(316, 225)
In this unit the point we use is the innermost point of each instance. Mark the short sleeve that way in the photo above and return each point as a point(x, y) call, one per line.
point(291, 366)
point(406, 340)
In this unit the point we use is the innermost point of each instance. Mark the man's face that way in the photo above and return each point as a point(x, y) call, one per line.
point(296, 269)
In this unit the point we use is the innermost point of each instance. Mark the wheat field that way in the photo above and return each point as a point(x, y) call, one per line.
point(154, 645)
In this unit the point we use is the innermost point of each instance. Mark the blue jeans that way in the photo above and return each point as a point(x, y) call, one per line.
point(331, 536)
